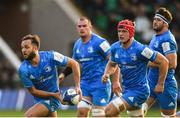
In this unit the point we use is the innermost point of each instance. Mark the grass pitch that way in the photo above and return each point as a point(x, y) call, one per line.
point(72, 113)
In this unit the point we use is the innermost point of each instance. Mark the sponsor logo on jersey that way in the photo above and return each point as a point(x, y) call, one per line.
point(85, 59)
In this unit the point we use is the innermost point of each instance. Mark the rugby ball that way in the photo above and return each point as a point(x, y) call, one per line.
point(71, 97)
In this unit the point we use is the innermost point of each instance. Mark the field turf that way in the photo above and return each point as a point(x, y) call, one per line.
point(71, 113)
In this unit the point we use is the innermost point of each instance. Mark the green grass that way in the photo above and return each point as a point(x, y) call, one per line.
point(71, 113)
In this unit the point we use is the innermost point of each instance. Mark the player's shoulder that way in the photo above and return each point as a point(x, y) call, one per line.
point(24, 66)
point(77, 42)
point(46, 53)
point(168, 36)
point(98, 38)
point(116, 45)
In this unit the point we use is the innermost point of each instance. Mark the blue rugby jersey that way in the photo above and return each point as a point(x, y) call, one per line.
point(133, 63)
point(44, 76)
point(164, 44)
point(92, 57)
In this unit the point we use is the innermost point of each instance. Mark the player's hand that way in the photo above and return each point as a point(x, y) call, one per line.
point(59, 97)
point(105, 77)
point(78, 90)
point(117, 88)
point(159, 88)
point(61, 78)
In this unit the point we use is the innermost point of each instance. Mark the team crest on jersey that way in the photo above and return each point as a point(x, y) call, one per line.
point(48, 69)
point(90, 49)
point(156, 44)
point(133, 57)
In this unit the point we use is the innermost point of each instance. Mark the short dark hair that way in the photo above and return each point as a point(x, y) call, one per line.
point(165, 12)
point(35, 39)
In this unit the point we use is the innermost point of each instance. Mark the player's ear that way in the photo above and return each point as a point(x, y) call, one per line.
point(35, 47)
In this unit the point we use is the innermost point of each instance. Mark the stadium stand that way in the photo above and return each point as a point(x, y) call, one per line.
point(105, 15)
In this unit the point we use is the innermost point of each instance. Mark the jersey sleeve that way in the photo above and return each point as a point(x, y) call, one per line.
point(104, 48)
point(147, 53)
point(23, 75)
point(59, 59)
point(74, 51)
point(112, 57)
point(168, 47)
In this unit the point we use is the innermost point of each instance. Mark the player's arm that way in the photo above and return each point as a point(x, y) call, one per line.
point(110, 69)
point(67, 71)
point(172, 58)
point(163, 65)
point(74, 65)
point(116, 82)
point(44, 94)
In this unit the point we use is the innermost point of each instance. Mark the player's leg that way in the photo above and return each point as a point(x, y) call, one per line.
point(116, 106)
point(84, 107)
point(148, 104)
point(168, 106)
point(53, 114)
point(38, 110)
point(135, 98)
point(150, 101)
point(100, 99)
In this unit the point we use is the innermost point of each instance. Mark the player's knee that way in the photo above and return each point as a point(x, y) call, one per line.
point(98, 112)
point(119, 104)
point(84, 104)
point(82, 112)
point(83, 108)
point(111, 111)
point(136, 113)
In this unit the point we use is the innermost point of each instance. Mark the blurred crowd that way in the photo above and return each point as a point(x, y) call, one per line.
point(105, 14)
point(8, 75)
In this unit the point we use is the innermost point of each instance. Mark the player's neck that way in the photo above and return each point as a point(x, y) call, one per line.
point(35, 60)
point(128, 43)
point(85, 39)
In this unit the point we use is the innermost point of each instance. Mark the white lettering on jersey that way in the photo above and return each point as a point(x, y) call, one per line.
point(147, 53)
point(165, 46)
point(58, 57)
point(105, 46)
